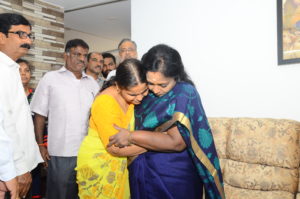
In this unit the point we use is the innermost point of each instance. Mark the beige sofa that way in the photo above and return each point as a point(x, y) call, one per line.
point(260, 158)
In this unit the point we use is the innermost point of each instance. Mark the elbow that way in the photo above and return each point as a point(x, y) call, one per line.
point(112, 151)
point(176, 144)
point(176, 140)
point(180, 146)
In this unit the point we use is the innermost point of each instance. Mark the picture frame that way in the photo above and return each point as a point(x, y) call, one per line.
point(288, 31)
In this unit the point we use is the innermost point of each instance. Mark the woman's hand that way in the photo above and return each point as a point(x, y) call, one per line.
point(121, 139)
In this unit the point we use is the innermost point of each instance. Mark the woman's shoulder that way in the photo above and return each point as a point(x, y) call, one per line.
point(105, 98)
point(184, 87)
point(105, 101)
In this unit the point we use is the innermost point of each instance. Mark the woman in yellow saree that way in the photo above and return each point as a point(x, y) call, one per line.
point(100, 173)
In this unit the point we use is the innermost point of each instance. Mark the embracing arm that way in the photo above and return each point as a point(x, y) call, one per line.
point(170, 141)
point(128, 151)
point(156, 141)
point(105, 113)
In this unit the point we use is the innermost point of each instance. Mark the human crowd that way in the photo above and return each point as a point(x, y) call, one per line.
point(102, 130)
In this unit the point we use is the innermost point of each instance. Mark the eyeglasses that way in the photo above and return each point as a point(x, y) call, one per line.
point(24, 35)
point(123, 50)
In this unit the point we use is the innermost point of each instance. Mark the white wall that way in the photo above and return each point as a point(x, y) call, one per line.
point(229, 49)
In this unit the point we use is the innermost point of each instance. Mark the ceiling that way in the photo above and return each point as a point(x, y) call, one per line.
point(109, 19)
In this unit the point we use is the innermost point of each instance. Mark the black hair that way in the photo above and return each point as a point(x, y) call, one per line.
point(128, 74)
point(90, 54)
point(74, 43)
point(26, 62)
point(165, 59)
point(109, 55)
point(9, 19)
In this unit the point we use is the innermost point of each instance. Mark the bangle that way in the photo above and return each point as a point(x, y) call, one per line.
point(42, 144)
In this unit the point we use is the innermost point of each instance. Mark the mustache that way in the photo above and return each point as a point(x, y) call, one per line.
point(25, 46)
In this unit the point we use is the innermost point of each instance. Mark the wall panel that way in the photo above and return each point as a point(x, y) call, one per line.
point(48, 27)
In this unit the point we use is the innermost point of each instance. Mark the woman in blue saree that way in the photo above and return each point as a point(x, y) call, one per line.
point(182, 159)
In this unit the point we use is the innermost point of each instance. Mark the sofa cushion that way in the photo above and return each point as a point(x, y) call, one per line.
point(298, 194)
point(259, 158)
point(260, 177)
point(221, 128)
point(264, 141)
point(238, 193)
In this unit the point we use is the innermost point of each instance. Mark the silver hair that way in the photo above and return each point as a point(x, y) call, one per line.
point(125, 40)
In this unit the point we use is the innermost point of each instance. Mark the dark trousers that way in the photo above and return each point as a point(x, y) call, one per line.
point(61, 178)
point(36, 182)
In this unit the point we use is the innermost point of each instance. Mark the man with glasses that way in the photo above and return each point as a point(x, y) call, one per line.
point(64, 97)
point(15, 41)
point(127, 49)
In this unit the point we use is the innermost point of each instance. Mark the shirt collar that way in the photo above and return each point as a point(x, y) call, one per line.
point(84, 75)
point(64, 69)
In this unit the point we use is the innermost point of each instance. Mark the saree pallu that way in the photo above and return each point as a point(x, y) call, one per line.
point(155, 175)
point(99, 174)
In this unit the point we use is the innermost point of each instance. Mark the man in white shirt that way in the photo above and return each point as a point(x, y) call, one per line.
point(15, 41)
point(8, 180)
point(127, 49)
point(65, 97)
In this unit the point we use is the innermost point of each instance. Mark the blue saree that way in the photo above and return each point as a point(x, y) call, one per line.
point(182, 175)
